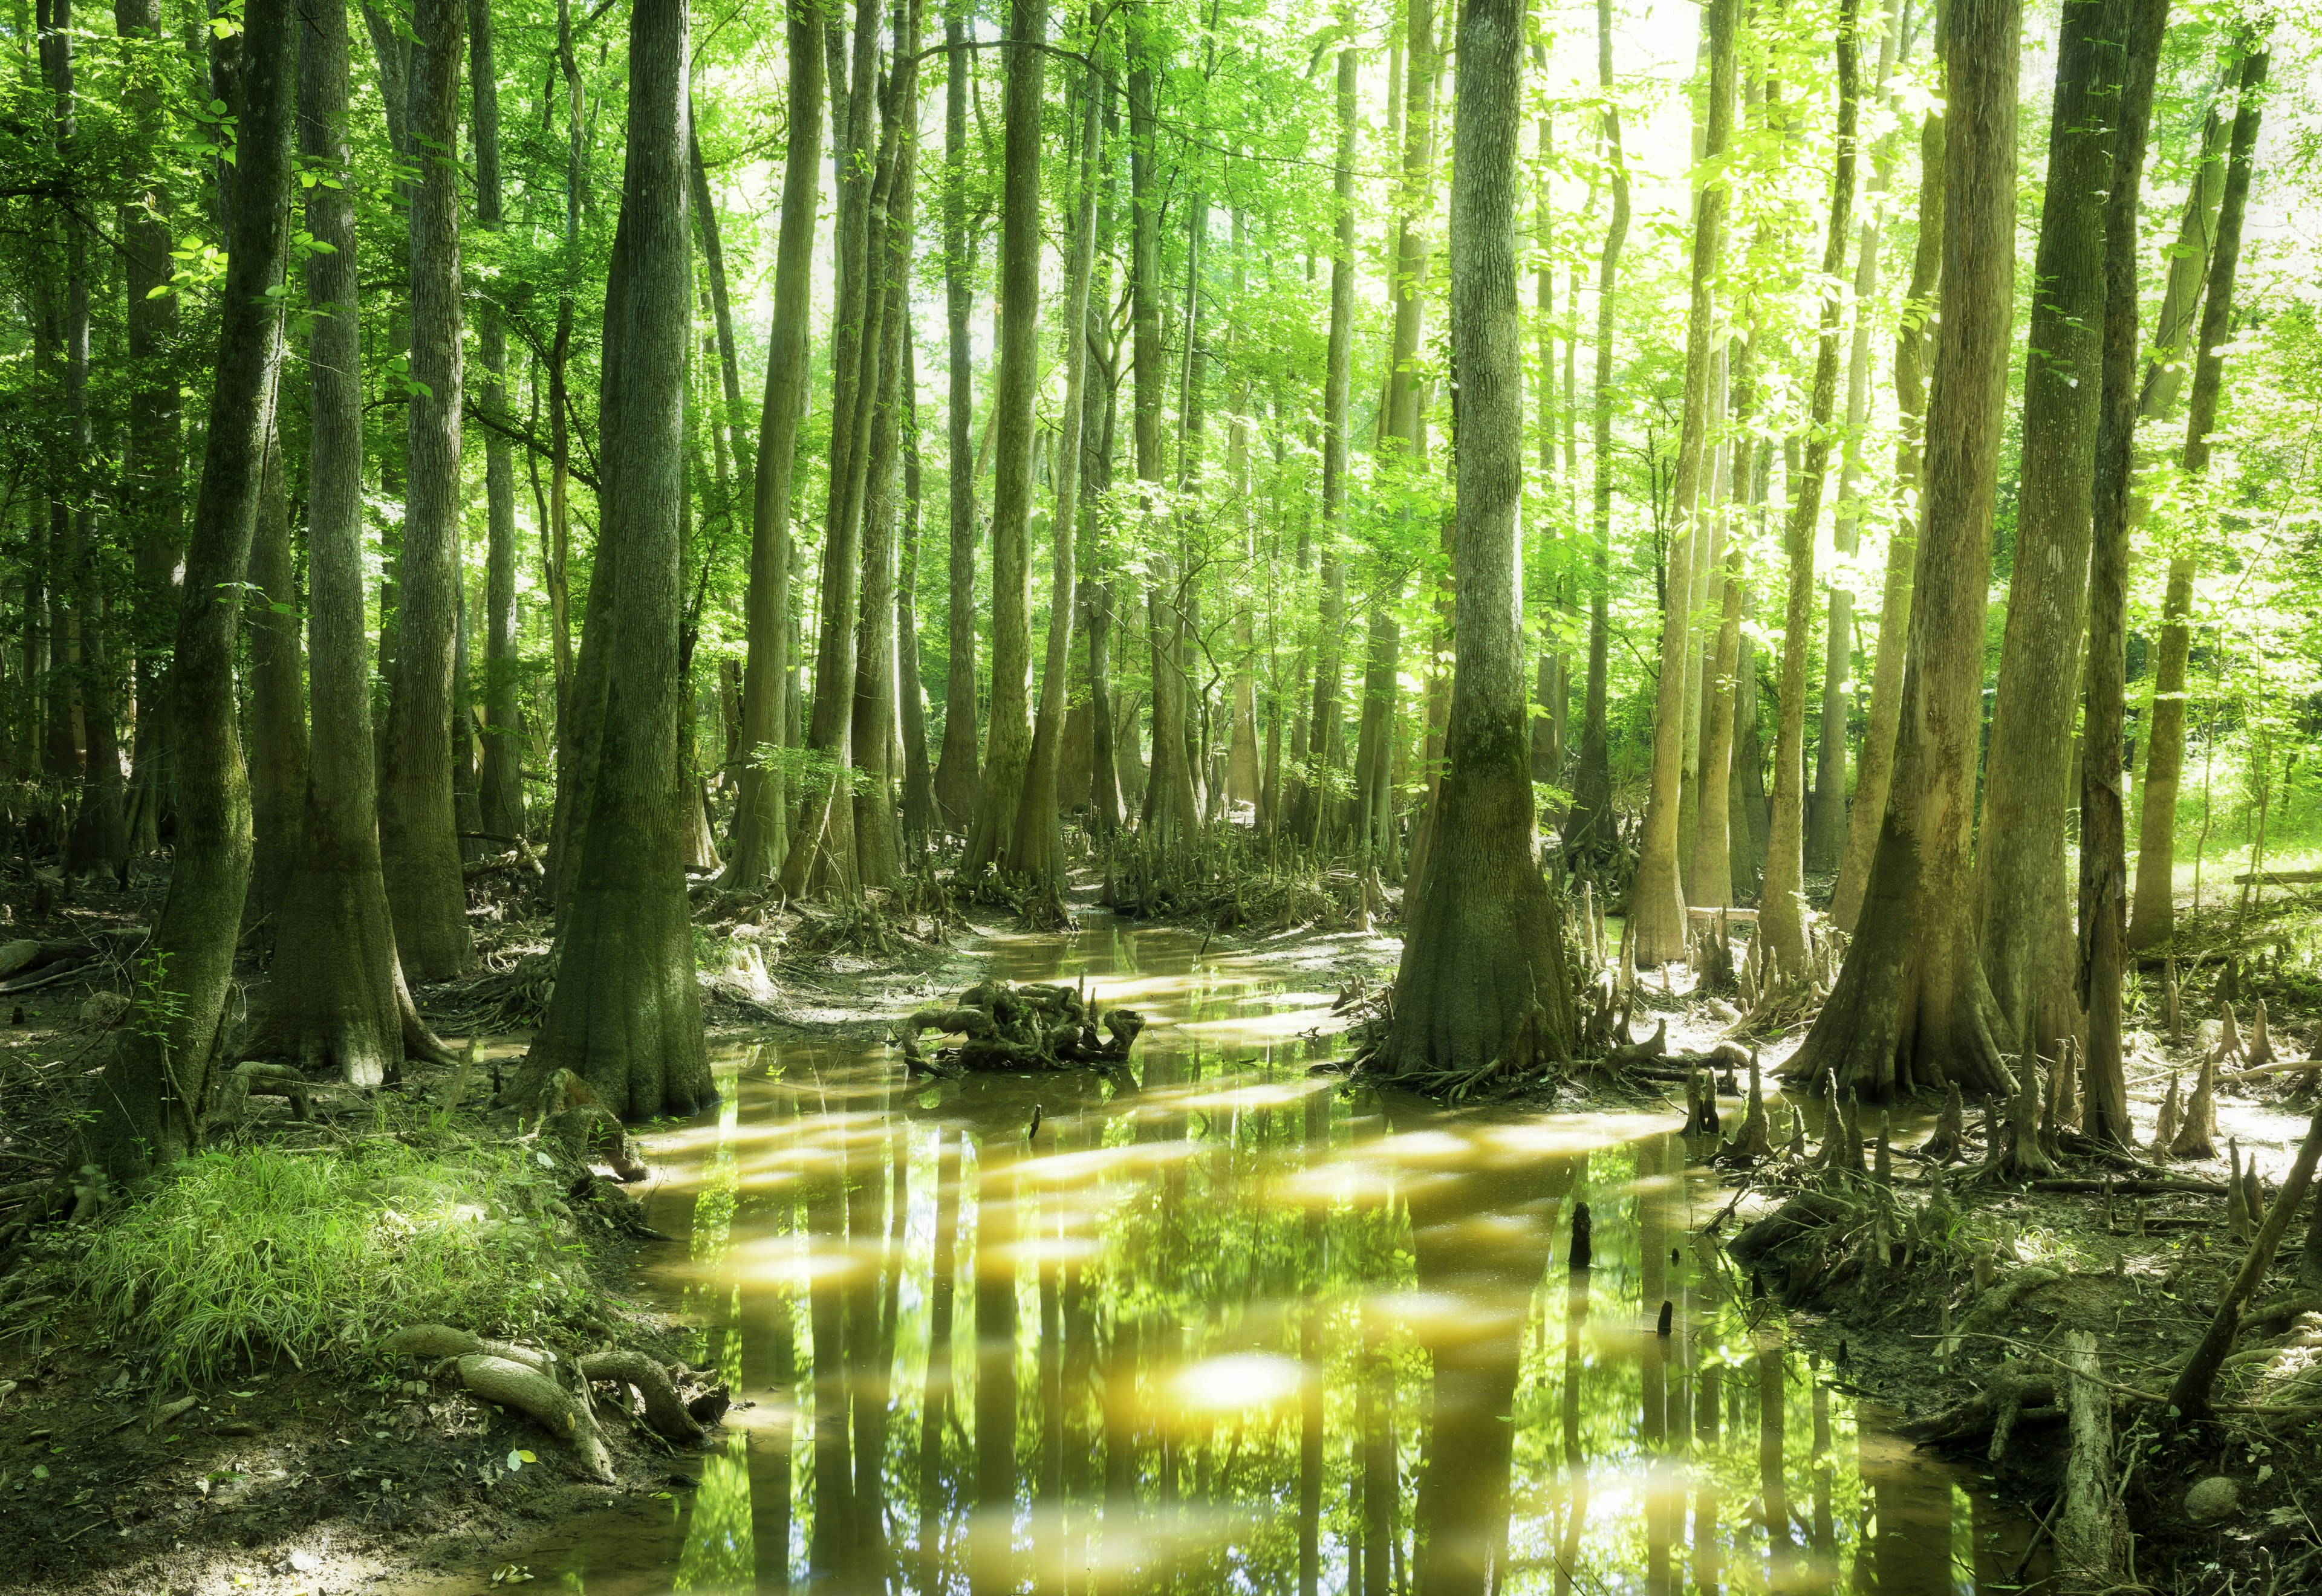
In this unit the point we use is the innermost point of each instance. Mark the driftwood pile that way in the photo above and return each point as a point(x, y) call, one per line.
point(1034, 1026)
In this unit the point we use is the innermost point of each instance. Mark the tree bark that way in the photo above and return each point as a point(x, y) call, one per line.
point(1912, 1010)
point(1656, 917)
point(148, 1102)
point(501, 788)
point(1007, 748)
point(1590, 829)
point(921, 818)
point(761, 833)
point(626, 1015)
point(418, 841)
point(2156, 918)
point(277, 705)
point(1782, 902)
point(957, 780)
point(1483, 973)
point(2103, 819)
point(336, 998)
point(1875, 768)
point(2024, 917)
point(1036, 850)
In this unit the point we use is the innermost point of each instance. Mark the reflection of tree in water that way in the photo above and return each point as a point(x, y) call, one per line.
point(1005, 1356)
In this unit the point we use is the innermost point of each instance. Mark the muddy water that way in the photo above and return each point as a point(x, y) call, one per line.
point(1237, 1328)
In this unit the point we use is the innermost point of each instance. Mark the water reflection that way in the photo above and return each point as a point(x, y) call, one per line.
point(1234, 1327)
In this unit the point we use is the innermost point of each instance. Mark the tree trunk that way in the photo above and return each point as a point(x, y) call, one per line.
point(277, 705)
point(761, 805)
point(957, 780)
point(921, 816)
point(152, 471)
point(1781, 903)
point(1590, 829)
point(1483, 976)
point(1007, 748)
point(2156, 848)
point(1656, 917)
point(1713, 873)
point(626, 1015)
point(336, 998)
point(2103, 820)
point(1036, 850)
point(2024, 917)
point(416, 828)
point(1876, 767)
point(1912, 1010)
point(501, 789)
point(157, 1077)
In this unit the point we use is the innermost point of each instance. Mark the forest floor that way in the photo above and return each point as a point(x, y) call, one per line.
point(364, 1472)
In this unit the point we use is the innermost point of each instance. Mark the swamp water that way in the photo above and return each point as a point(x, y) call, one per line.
point(1237, 1328)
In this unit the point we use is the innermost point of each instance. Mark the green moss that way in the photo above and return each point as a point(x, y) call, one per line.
point(243, 1254)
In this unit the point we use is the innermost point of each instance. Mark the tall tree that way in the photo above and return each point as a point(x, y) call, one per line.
point(957, 779)
point(335, 997)
point(759, 831)
point(1911, 1009)
point(418, 841)
point(626, 1015)
point(1912, 336)
point(1037, 849)
point(501, 789)
point(1008, 741)
point(2024, 917)
point(2156, 916)
point(2103, 820)
point(1590, 830)
point(1657, 909)
point(1781, 904)
point(157, 1077)
point(1483, 982)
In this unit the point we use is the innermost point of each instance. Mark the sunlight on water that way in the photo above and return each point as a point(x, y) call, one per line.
point(1234, 1327)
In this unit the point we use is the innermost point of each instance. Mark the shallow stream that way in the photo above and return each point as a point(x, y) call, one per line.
point(1238, 1327)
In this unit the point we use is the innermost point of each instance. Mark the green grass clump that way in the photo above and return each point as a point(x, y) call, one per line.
point(251, 1253)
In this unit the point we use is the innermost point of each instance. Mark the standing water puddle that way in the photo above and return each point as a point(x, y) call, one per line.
point(1236, 1328)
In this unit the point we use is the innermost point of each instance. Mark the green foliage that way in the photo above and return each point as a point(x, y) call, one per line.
point(248, 1253)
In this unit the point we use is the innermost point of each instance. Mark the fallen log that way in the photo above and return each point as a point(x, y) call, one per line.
point(1028, 1027)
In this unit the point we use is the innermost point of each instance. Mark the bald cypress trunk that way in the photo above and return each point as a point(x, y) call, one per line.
point(157, 1076)
point(956, 776)
point(336, 998)
point(1008, 742)
point(500, 786)
point(417, 829)
point(760, 831)
point(1911, 1009)
point(2022, 906)
point(278, 704)
point(1656, 917)
point(1781, 905)
point(626, 1015)
point(1483, 948)
point(1590, 829)
point(2156, 852)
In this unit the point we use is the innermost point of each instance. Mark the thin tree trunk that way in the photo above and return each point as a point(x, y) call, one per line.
point(278, 706)
point(761, 832)
point(2156, 848)
point(626, 1015)
point(1307, 801)
point(1590, 829)
point(156, 1079)
point(921, 818)
point(1911, 1009)
point(1656, 917)
point(417, 830)
point(1036, 850)
point(1483, 983)
point(1781, 903)
point(957, 780)
point(2103, 819)
point(501, 791)
point(1007, 749)
point(2024, 917)
point(1875, 770)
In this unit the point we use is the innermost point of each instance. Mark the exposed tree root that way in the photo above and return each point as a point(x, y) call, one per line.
point(665, 1411)
point(1025, 1028)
